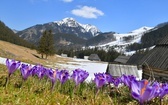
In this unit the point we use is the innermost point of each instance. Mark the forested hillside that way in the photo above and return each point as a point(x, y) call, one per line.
point(153, 37)
point(149, 39)
point(68, 41)
point(6, 34)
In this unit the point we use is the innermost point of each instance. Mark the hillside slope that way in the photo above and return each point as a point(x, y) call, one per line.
point(6, 34)
point(12, 51)
point(56, 62)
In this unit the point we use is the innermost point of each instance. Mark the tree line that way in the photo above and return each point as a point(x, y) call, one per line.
point(107, 56)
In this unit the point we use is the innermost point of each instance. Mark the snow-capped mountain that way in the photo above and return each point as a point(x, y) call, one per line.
point(71, 22)
point(91, 28)
point(85, 28)
point(125, 39)
point(64, 26)
point(71, 33)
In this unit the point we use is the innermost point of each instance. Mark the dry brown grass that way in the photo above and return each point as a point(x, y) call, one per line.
point(16, 52)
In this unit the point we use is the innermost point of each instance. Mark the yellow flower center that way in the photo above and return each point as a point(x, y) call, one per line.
point(144, 88)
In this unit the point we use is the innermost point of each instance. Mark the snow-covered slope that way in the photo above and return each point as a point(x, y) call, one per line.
point(136, 34)
point(125, 39)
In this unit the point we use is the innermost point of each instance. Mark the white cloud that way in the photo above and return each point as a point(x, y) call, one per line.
point(67, 1)
point(87, 12)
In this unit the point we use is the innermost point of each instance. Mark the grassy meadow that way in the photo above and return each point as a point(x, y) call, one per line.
point(37, 92)
point(34, 91)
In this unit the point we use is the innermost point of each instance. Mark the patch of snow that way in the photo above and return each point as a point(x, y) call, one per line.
point(142, 29)
point(90, 66)
point(3, 61)
point(129, 53)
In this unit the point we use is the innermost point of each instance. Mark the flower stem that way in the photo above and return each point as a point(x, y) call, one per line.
point(7, 81)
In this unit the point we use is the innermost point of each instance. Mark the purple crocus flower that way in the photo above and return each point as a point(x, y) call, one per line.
point(109, 78)
point(26, 71)
point(52, 74)
point(38, 70)
point(163, 90)
point(34, 70)
point(143, 90)
point(100, 80)
point(127, 79)
point(12, 66)
point(116, 81)
point(79, 76)
point(63, 76)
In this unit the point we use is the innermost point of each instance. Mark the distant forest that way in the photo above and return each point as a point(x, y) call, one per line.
point(149, 39)
point(6, 34)
point(108, 56)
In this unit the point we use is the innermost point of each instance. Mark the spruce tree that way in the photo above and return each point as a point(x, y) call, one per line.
point(41, 46)
point(46, 44)
point(50, 48)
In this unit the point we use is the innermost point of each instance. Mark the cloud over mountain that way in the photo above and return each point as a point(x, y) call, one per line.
point(87, 12)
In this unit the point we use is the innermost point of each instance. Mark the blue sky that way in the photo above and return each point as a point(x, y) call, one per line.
point(108, 15)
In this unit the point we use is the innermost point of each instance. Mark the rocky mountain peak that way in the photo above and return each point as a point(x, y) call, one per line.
point(85, 28)
point(69, 22)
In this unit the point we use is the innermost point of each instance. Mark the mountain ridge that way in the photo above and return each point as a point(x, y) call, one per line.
point(68, 30)
point(62, 27)
point(66, 26)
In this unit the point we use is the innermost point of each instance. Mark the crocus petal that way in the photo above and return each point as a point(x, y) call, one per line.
point(100, 80)
point(26, 71)
point(135, 87)
point(163, 90)
point(79, 76)
point(163, 93)
point(136, 96)
point(147, 95)
point(63, 76)
point(12, 66)
point(143, 90)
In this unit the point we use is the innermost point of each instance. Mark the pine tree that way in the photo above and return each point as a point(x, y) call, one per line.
point(41, 46)
point(50, 48)
point(46, 44)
